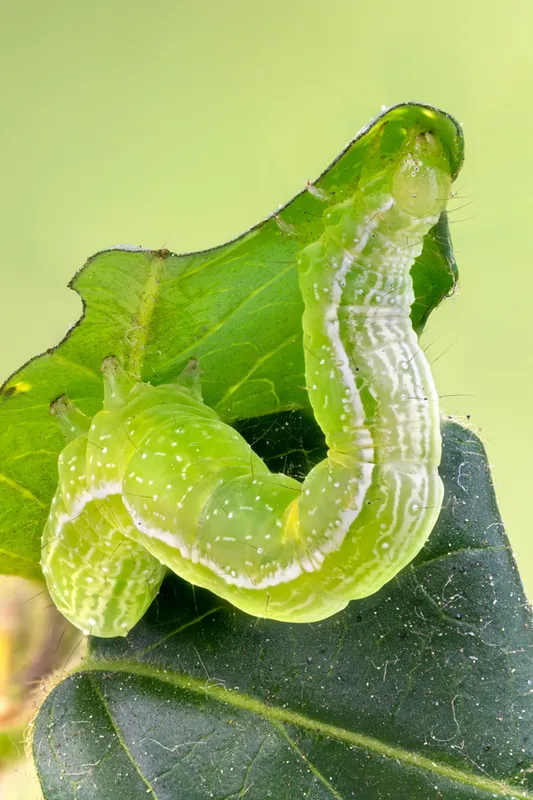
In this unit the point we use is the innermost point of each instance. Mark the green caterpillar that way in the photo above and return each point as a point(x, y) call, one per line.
point(156, 480)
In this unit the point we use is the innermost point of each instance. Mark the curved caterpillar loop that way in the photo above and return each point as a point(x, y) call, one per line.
point(156, 480)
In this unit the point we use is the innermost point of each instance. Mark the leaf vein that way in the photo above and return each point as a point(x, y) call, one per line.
point(274, 715)
point(18, 487)
point(316, 772)
point(150, 789)
point(223, 320)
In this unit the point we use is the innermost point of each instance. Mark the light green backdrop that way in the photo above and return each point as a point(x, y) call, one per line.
point(179, 124)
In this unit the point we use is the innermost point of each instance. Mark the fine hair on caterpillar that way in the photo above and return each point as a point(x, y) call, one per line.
point(156, 480)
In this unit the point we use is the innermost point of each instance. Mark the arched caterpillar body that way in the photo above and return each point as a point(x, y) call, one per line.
point(156, 478)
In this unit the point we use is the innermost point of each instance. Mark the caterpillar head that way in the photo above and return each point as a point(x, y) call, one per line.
point(422, 180)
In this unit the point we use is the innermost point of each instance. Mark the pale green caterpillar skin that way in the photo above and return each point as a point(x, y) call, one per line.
point(85, 530)
point(160, 478)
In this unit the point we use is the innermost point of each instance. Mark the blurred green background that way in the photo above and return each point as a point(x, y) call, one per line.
point(179, 124)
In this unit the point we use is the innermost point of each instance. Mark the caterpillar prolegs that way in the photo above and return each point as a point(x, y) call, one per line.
point(156, 480)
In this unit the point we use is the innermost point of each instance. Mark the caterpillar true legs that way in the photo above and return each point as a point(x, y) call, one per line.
point(157, 475)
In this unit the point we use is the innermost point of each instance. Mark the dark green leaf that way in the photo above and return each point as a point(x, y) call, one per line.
point(421, 691)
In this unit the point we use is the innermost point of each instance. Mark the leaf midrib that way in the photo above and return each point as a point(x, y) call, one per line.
point(141, 326)
point(276, 715)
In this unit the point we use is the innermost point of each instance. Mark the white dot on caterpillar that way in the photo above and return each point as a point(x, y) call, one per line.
point(385, 545)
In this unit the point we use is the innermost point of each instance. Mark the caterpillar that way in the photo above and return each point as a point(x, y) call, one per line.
point(156, 480)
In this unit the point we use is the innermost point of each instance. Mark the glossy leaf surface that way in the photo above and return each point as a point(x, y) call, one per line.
point(422, 691)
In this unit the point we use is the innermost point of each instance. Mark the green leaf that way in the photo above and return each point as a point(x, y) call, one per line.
point(421, 691)
point(237, 308)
